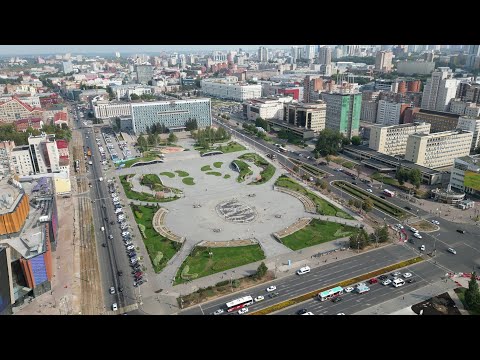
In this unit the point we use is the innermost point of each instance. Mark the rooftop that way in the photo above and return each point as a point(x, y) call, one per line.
point(470, 159)
point(11, 192)
point(439, 113)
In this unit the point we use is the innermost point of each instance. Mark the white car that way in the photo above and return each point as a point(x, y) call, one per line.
point(412, 229)
point(114, 307)
point(370, 190)
point(243, 311)
point(271, 288)
point(348, 289)
point(341, 314)
point(259, 298)
point(130, 247)
point(308, 313)
point(218, 312)
point(303, 270)
point(400, 226)
point(417, 235)
point(407, 275)
point(386, 282)
point(435, 222)
point(422, 248)
point(112, 290)
point(125, 233)
point(450, 250)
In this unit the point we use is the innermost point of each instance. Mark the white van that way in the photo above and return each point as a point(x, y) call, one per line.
point(398, 282)
point(303, 270)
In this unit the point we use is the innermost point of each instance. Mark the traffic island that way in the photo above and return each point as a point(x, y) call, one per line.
point(313, 294)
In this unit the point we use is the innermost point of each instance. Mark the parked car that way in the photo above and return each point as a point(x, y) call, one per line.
point(407, 275)
point(114, 307)
point(112, 290)
point(408, 208)
point(411, 281)
point(396, 274)
point(382, 196)
point(382, 277)
point(450, 250)
point(302, 311)
point(370, 190)
point(373, 281)
point(386, 282)
point(348, 289)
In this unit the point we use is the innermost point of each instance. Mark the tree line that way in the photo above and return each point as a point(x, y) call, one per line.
point(209, 135)
point(413, 176)
point(9, 133)
point(362, 239)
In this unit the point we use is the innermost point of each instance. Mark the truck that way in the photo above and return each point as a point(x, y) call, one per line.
point(362, 288)
point(89, 152)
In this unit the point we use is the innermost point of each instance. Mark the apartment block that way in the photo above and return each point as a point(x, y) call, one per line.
point(343, 112)
point(104, 109)
point(265, 108)
point(469, 123)
point(439, 149)
point(230, 88)
point(440, 120)
point(392, 140)
point(308, 116)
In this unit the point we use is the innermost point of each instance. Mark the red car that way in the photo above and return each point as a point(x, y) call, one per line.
point(373, 281)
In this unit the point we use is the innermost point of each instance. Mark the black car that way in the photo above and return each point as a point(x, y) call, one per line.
point(408, 208)
point(120, 289)
point(302, 311)
point(383, 197)
point(132, 254)
point(354, 182)
point(461, 231)
point(112, 222)
point(120, 272)
point(411, 240)
point(411, 281)
point(382, 277)
point(336, 299)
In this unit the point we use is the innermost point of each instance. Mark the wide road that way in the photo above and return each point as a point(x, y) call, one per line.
point(295, 285)
point(423, 273)
point(112, 257)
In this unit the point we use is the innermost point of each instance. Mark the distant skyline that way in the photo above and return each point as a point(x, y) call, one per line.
point(111, 49)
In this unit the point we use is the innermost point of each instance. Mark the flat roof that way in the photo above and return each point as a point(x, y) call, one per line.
point(470, 159)
point(439, 113)
point(362, 149)
point(10, 196)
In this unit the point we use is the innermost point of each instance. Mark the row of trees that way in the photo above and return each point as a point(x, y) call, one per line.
point(253, 130)
point(366, 205)
point(362, 239)
point(413, 176)
point(8, 132)
point(209, 135)
point(134, 97)
point(153, 140)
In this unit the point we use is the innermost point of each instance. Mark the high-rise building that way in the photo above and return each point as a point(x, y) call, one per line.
point(173, 114)
point(144, 73)
point(438, 149)
point(383, 61)
point(343, 112)
point(439, 90)
point(294, 54)
point(230, 88)
point(392, 140)
point(325, 55)
point(262, 54)
point(312, 84)
point(473, 53)
point(309, 52)
point(470, 123)
point(307, 116)
point(389, 113)
point(464, 108)
point(67, 67)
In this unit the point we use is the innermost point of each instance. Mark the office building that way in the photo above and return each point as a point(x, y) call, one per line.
point(439, 90)
point(173, 114)
point(369, 111)
point(309, 52)
point(383, 61)
point(325, 55)
point(266, 108)
point(464, 108)
point(308, 116)
point(415, 67)
point(390, 113)
point(125, 91)
point(343, 112)
point(262, 54)
point(44, 153)
point(104, 109)
point(439, 149)
point(440, 120)
point(469, 123)
point(466, 174)
point(67, 67)
point(392, 140)
point(230, 88)
point(312, 85)
point(473, 55)
point(144, 73)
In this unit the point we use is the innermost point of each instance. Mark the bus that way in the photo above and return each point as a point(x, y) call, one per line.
point(239, 303)
point(330, 293)
point(389, 193)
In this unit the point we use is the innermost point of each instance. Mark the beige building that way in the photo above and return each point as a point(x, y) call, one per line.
point(392, 140)
point(104, 109)
point(383, 61)
point(265, 108)
point(440, 120)
point(460, 107)
point(15, 110)
point(309, 116)
point(470, 123)
point(438, 149)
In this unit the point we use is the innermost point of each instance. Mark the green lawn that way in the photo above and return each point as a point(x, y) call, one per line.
point(472, 180)
point(160, 249)
point(312, 169)
point(377, 202)
point(317, 232)
point(216, 173)
point(188, 181)
point(206, 168)
point(268, 169)
point(200, 263)
point(226, 176)
point(461, 295)
point(343, 162)
point(385, 179)
point(169, 174)
point(244, 170)
point(134, 195)
point(218, 164)
point(230, 147)
point(181, 173)
point(129, 163)
point(323, 206)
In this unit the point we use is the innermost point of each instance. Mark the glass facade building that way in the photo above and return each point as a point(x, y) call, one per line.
point(173, 114)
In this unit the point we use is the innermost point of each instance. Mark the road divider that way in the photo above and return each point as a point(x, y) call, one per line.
point(313, 294)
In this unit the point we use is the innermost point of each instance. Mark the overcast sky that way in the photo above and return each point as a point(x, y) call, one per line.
point(110, 49)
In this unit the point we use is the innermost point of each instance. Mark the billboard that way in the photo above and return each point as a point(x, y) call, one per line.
point(4, 281)
point(472, 180)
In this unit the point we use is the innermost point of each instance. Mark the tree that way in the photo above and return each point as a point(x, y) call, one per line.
point(191, 124)
point(367, 205)
point(359, 240)
point(357, 203)
point(380, 234)
point(295, 168)
point(134, 97)
point(172, 138)
point(472, 295)
point(261, 270)
point(259, 122)
point(142, 143)
point(356, 140)
point(323, 184)
point(330, 142)
point(402, 175)
point(328, 158)
point(316, 154)
point(415, 177)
